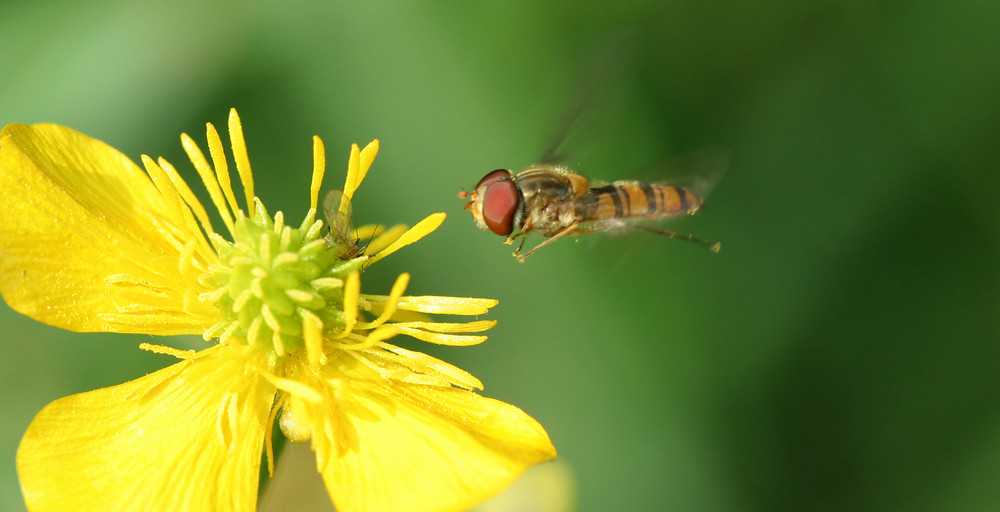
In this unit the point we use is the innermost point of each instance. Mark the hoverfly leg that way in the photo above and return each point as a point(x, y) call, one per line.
point(555, 236)
point(525, 229)
point(520, 246)
point(510, 239)
point(712, 246)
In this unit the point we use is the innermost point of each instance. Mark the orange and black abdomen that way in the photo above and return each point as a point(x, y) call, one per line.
point(629, 200)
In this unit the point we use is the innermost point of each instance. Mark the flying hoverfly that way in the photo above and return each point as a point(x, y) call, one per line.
point(555, 201)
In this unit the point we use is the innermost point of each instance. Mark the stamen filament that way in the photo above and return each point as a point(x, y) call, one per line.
point(177, 207)
point(353, 170)
point(293, 387)
point(208, 178)
point(454, 340)
point(449, 327)
point(312, 333)
point(415, 233)
point(432, 304)
point(319, 169)
point(385, 238)
point(390, 306)
point(367, 157)
point(169, 351)
point(240, 156)
point(268, 442)
point(374, 338)
point(352, 288)
point(218, 154)
point(185, 192)
point(222, 412)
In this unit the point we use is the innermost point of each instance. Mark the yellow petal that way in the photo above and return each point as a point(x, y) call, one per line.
point(188, 437)
point(421, 448)
point(544, 488)
point(87, 242)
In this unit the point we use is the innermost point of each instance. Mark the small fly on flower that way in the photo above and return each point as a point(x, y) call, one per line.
point(556, 202)
point(340, 235)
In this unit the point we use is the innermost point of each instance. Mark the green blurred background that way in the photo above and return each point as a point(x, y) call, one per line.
point(839, 354)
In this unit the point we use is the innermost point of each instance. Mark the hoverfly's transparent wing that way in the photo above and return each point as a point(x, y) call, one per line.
point(698, 171)
point(556, 153)
point(602, 76)
point(337, 208)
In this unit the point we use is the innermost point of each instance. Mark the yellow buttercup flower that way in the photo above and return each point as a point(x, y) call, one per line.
point(92, 242)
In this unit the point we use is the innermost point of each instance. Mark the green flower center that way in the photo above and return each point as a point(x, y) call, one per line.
point(273, 277)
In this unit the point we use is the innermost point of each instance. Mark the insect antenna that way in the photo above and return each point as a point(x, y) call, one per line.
point(368, 234)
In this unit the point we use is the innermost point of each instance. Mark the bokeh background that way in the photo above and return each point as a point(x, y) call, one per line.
point(839, 354)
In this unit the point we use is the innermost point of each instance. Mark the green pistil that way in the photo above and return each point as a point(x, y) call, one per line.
point(272, 275)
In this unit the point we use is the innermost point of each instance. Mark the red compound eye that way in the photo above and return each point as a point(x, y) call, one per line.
point(500, 203)
point(493, 177)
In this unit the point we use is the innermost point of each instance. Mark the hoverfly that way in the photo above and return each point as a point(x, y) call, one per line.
point(339, 235)
point(556, 202)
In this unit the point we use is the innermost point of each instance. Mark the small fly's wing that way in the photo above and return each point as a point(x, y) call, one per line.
point(337, 208)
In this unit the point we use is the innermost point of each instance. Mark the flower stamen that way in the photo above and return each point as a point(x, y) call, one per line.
point(268, 442)
point(312, 333)
point(169, 351)
point(375, 337)
point(240, 155)
point(431, 304)
point(319, 169)
point(352, 289)
point(208, 177)
point(385, 237)
point(187, 195)
point(390, 306)
point(295, 388)
point(418, 231)
point(221, 166)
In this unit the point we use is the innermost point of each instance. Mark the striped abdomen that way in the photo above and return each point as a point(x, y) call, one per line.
point(629, 200)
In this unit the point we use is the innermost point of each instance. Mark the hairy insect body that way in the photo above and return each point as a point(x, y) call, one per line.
point(556, 202)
